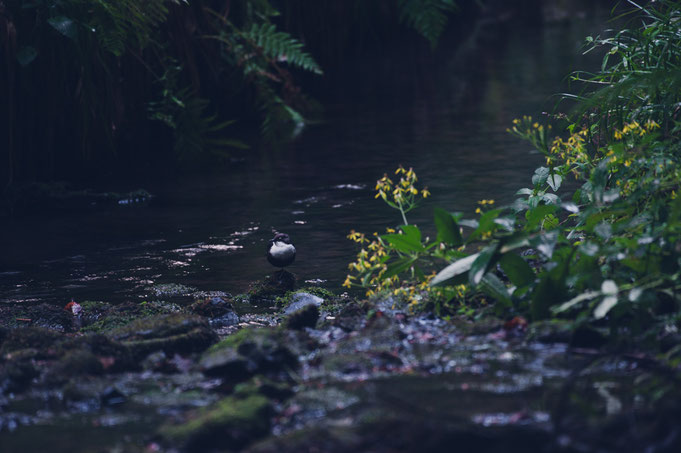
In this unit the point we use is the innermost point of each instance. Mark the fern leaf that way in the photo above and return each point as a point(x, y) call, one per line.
point(428, 17)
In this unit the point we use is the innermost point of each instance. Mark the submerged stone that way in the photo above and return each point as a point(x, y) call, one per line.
point(230, 424)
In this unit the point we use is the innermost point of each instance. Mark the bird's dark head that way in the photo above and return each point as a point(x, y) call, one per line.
point(281, 237)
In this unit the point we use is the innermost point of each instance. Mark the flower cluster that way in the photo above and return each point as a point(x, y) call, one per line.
point(401, 195)
point(370, 264)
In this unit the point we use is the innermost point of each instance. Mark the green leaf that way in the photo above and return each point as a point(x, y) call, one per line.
point(546, 243)
point(537, 215)
point(65, 26)
point(575, 300)
point(482, 263)
point(495, 288)
point(26, 55)
point(455, 269)
point(399, 266)
point(605, 306)
point(540, 176)
point(554, 181)
point(486, 224)
point(403, 243)
point(447, 228)
point(412, 232)
point(516, 268)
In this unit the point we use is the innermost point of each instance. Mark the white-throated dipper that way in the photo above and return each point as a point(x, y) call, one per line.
point(280, 251)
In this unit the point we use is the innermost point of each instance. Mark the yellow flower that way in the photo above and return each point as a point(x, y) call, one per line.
point(348, 281)
point(399, 170)
point(425, 193)
point(390, 230)
point(478, 210)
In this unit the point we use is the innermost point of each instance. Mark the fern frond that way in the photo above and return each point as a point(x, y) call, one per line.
point(428, 17)
point(281, 47)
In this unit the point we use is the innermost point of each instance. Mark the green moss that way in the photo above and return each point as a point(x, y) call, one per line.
point(103, 317)
point(171, 333)
point(285, 300)
point(29, 338)
point(230, 423)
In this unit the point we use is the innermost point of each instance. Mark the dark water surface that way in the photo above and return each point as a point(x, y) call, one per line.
point(445, 114)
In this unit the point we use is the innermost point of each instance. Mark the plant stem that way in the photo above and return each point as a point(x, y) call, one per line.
point(404, 217)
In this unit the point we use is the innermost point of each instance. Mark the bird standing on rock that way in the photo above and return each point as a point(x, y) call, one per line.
point(280, 251)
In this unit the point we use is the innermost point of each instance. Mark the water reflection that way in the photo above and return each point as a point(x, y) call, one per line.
point(445, 114)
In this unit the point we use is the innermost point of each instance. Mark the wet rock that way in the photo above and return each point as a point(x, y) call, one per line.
point(260, 385)
point(272, 286)
point(351, 317)
point(246, 353)
point(230, 424)
point(169, 333)
point(114, 356)
point(301, 300)
point(111, 396)
point(75, 363)
point(306, 316)
point(220, 312)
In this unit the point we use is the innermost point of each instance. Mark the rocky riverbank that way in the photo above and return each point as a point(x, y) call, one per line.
point(278, 370)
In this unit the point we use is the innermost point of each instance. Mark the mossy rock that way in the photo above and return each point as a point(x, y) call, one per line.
point(114, 356)
point(272, 286)
point(229, 424)
point(306, 316)
point(75, 363)
point(261, 385)
point(42, 315)
point(290, 297)
point(248, 352)
point(102, 317)
point(35, 338)
point(173, 333)
point(219, 311)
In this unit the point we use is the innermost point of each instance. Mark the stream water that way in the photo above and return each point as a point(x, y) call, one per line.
point(444, 113)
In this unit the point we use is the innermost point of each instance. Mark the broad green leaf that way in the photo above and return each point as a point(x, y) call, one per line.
point(609, 288)
point(455, 269)
point(482, 263)
point(411, 232)
point(554, 181)
point(546, 243)
point(537, 215)
point(516, 268)
point(604, 307)
point(485, 224)
point(514, 241)
point(540, 176)
point(575, 300)
point(403, 243)
point(447, 228)
point(399, 266)
point(495, 288)
point(65, 26)
point(26, 55)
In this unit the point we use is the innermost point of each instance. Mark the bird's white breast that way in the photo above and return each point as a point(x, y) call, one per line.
point(282, 250)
